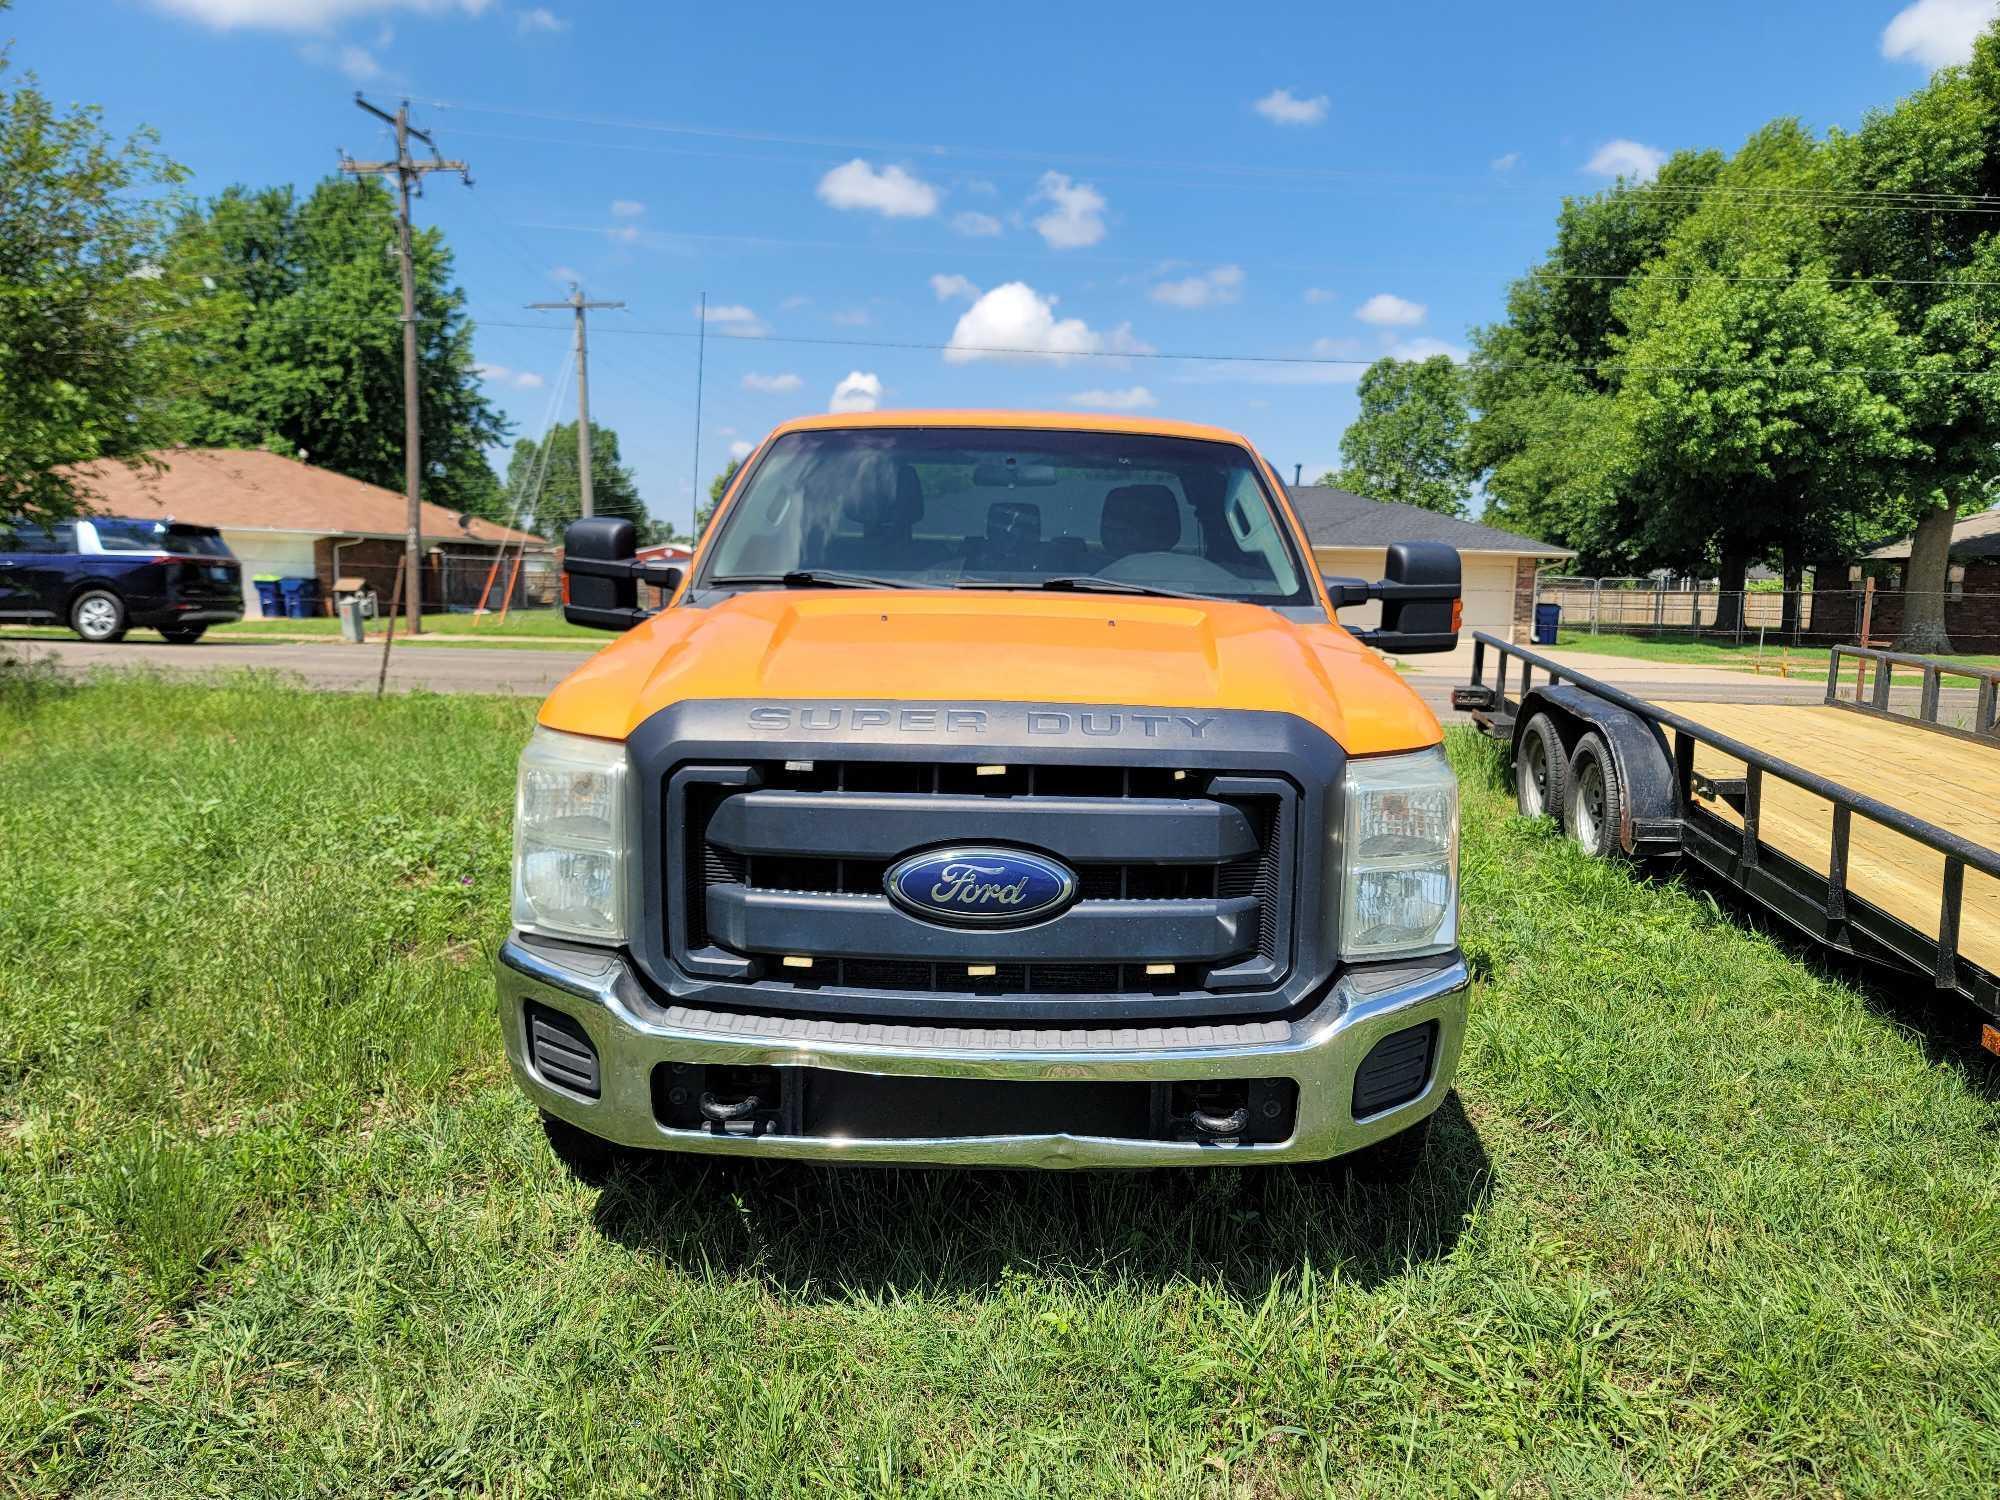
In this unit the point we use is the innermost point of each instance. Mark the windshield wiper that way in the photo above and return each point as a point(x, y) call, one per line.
point(821, 578)
point(1084, 583)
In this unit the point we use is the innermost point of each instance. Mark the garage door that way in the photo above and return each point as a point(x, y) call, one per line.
point(261, 552)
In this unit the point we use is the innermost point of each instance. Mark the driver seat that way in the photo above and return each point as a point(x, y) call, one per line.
point(1139, 518)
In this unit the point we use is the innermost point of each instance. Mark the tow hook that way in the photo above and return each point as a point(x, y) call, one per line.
point(1235, 1122)
point(722, 1111)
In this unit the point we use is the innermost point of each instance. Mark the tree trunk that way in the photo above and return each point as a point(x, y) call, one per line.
point(1729, 605)
point(1924, 578)
point(1795, 583)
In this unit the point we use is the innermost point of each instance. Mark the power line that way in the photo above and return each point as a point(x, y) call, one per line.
point(1877, 197)
point(1057, 356)
point(577, 303)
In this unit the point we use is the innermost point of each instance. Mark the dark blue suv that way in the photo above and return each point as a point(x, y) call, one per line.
point(101, 575)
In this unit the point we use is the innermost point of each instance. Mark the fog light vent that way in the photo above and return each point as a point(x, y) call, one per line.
point(561, 1051)
point(1396, 1070)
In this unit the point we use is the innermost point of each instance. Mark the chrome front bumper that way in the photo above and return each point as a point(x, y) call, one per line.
point(1320, 1051)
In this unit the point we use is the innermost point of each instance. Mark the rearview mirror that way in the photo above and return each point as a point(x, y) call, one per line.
point(601, 575)
point(1011, 475)
point(1420, 600)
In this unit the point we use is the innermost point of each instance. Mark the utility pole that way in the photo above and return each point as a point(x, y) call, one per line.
point(582, 308)
point(408, 172)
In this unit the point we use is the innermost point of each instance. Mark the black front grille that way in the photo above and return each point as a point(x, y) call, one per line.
point(1248, 864)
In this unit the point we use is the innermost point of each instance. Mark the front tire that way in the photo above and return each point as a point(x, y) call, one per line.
point(183, 635)
point(1541, 771)
point(1596, 806)
point(1391, 1163)
point(98, 616)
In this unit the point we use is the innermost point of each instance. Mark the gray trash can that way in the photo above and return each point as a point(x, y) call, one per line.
point(353, 619)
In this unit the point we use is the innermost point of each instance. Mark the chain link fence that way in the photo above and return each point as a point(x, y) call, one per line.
point(1690, 610)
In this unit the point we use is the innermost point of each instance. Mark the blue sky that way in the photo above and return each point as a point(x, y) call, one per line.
point(1098, 181)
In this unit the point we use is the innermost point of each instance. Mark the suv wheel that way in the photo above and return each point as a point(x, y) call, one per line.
point(183, 635)
point(1541, 771)
point(98, 615)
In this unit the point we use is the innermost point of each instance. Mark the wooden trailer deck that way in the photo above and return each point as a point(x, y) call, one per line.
point(1948, 781)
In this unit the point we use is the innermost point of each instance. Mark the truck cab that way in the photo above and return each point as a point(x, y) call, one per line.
point(990, 788)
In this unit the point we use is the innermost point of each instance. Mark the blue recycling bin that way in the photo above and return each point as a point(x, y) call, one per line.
point(301, 597)
point(1548, 621)
point(270, 602)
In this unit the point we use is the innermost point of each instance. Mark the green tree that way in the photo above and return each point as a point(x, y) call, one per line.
point(1934, 263)
point(544, 484)
point(717, 488)
point(303, 348)
point(1547, 440)
point(1759, 395)
point(87, 308)
point(1408, 443)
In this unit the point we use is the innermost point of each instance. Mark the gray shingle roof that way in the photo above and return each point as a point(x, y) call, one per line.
point(1973, 536)
point(1334, 518)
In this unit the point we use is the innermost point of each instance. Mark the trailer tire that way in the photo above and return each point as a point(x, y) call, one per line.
point(1541, 771)
point(1595, 805)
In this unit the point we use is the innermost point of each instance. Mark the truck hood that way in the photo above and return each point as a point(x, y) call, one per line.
point(953, 646)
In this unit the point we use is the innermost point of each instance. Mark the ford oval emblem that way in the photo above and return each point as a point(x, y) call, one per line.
point(981, 887)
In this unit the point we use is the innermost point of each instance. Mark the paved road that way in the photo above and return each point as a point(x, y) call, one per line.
point(466, 669)
point(331, 665)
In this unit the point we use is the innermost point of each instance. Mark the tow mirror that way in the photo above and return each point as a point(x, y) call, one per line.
point(602, 574)
point(1421, 606)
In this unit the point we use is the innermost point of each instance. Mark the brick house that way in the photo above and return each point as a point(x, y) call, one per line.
point(1351, 534)
point(1972, 598)
point(292, 520)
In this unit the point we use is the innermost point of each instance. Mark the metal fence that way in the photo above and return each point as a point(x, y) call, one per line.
point(1692, 610)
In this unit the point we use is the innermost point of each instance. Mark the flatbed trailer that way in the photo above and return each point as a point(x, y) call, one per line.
point(1872, 827)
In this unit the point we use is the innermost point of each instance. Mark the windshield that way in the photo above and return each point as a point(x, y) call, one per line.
point(945, 507)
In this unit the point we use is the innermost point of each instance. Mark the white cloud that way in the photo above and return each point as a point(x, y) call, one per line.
point(357, 64)
point(851, 317)
point(772, 385)
point(1283, 107)
point(948, 287)
point(520, 380)
point(735, 318)
point(627, 208)
point(1933, 33)
point(565, 274)
point(1076, 216)
point(1223, 284)
point(891, 192)
point(539, 19)
point(1340, 348)
point(975, 225)
point(624, 234)
point(1318, 294)
point(1427, 348)
point(1506, 163)
point(793, 302)
point(1623, 158)
point(1132, 398)
point(1016, 321)
point(305, 15)
point(738, 450)
point(1385, 310)
point(857, 392)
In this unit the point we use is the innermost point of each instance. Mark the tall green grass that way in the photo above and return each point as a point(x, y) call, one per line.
point(274, 1221)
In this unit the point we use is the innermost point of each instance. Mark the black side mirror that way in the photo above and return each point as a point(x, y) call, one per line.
point(601, 573)
point(1420, 600)
point(1343, 591)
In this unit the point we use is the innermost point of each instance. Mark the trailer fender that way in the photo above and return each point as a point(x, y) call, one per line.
point(1649, 822)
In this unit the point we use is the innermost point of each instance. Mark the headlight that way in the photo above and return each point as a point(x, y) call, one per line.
point(1399, 857)
point(571, 840)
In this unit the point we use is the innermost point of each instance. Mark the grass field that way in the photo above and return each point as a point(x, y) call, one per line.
point(541, 624)
point(273, 1220)
point(1807, 661)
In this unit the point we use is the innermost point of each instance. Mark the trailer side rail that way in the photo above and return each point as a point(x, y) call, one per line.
point(1819, 901)
point(1874, 698)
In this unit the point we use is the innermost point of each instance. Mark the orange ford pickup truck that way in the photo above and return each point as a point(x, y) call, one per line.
point(991, 789)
